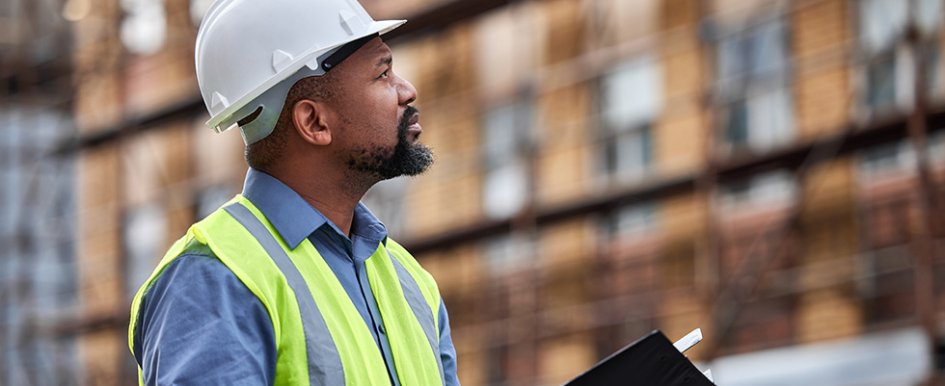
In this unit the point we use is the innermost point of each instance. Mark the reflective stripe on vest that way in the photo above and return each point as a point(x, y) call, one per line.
point(320, 337)
point(420, 310)
point(324, 364)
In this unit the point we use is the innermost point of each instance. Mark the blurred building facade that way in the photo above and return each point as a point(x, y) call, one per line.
point(37, 202)
point(770, 171)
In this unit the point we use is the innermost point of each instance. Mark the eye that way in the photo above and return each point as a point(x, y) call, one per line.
point(384, 75)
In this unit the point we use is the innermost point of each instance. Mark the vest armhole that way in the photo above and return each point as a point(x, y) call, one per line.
point(191, 247)
point(146, 287)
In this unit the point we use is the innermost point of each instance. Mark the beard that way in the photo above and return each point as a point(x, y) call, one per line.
point(405, 159)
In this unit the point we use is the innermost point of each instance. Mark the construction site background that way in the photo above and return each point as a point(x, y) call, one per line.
point(770, 171)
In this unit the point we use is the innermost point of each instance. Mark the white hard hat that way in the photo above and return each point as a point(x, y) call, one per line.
point(250, 52)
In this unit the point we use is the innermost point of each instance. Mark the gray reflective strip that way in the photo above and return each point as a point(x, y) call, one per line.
point(421, 309)
point(324, 363)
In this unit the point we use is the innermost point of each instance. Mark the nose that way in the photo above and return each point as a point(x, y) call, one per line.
point(406, 92)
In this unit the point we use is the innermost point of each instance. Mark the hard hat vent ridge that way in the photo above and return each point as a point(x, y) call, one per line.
point(280, 60)
point(346, 17)
point(219, 102)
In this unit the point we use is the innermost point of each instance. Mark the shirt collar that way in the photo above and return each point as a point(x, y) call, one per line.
point(368, 226)
point(294, 218)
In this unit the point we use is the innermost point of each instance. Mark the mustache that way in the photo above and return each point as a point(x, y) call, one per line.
point(405, 119)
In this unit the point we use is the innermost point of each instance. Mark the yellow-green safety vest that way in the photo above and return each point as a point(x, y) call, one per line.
point(320, 337)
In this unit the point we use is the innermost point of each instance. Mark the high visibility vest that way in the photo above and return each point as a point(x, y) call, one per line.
point(320, 337)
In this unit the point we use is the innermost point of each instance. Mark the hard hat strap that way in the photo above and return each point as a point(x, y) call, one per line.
point(345, 51)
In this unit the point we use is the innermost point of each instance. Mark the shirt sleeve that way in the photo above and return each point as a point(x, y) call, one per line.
point(199, 325)
point(447, 351)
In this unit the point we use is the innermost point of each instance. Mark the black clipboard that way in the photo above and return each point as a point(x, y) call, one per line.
point(650, 361)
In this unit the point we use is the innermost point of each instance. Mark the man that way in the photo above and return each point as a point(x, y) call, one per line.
point(295, 282)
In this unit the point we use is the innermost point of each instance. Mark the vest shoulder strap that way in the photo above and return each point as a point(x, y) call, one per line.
point(428, 286)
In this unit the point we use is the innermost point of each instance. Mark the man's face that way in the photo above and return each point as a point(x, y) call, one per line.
point(379, 128)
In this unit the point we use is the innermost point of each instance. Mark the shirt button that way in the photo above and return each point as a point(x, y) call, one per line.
point(380, 327)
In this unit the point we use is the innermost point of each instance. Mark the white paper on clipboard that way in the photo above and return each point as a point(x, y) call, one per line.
point(689, 340)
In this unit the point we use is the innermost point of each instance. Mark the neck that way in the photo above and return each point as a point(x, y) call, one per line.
point(335, 194)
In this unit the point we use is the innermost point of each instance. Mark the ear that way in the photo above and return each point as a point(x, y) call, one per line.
point(311, 121)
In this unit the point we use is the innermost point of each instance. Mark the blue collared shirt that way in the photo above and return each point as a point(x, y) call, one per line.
point(199, 325)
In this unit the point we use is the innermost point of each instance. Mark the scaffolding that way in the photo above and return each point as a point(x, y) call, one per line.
point(744, 281)
point(37, 260)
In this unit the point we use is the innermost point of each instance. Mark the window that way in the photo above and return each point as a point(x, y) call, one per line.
point(886, 160)
point(144, 27)
point(11, 173)
point(35, 29)
point(507, 253)
point(885, 211)
point(37, 226)
point(498, 307)
point(632, 220)
point(889, 69)
point(143, 237)
point(53, 210)
point(937, 148)
point(631, 98)
point(896, 160)
point(506, 142)
point(756, 108)
point(887, 289)
point(37, 203)
point(626, 273)
point(886, 207)
point(628, 263)
point(759, 191)
point(756, 241)
point(509, 47)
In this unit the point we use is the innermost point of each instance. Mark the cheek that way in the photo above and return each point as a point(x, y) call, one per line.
point(376, 113)
point(385, 110)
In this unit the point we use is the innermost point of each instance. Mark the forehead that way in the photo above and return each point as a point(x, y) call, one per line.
point(372, 53)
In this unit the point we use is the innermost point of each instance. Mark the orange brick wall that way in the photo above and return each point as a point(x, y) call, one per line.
point(820, 39)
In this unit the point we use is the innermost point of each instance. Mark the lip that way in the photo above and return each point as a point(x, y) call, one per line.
point(414, 128)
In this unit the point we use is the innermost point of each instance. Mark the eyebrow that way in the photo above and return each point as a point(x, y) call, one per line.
point(385, 60)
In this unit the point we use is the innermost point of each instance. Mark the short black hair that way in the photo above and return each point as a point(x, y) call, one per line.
point(263, 154)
